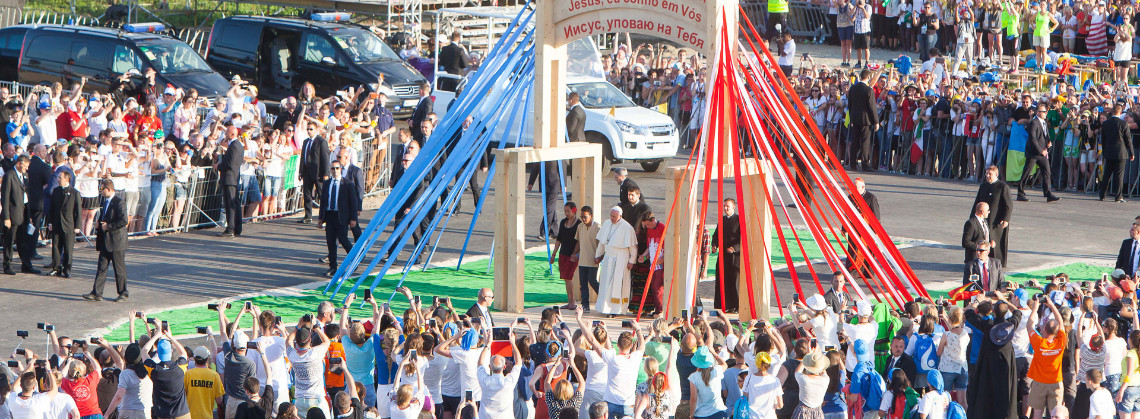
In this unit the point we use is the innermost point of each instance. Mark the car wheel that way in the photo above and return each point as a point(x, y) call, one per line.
point(651, 166)
point(607, 150)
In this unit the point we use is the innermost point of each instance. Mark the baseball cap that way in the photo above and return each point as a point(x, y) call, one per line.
point(201, 352)
point(1117, 274)
point(163, 350)
point(239, 341)
point(169, 91)
point(1022, 296)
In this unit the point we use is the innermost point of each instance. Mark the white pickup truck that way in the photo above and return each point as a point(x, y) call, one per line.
point(633, 133)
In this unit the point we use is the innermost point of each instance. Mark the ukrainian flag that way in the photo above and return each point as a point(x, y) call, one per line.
point(1015, 153)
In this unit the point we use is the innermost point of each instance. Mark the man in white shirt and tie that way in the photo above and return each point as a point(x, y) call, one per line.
point(339, 209)
point(1129, 255)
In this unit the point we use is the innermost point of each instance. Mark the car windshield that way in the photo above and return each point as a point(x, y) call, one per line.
point(173, 57)
point(362, 46)
point(600, 94)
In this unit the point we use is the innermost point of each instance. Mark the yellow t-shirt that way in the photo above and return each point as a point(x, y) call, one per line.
point(1131, 378)
point(203, 386)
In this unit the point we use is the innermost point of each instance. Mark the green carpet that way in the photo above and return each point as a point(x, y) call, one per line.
point(542, 288)
point(1078, 272)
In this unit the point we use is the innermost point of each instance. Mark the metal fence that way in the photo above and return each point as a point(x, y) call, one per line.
point(805, 19)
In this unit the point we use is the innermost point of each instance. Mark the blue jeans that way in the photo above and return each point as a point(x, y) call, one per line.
point(157, 202)
point(618, 411)
point(925, 43)
point(95, 416)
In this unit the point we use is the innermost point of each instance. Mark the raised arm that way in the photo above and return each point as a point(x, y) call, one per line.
point(586, 331)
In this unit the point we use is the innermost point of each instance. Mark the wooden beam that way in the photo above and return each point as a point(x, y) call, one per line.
point(549, 84)
point(510, 245)
point(566, 151)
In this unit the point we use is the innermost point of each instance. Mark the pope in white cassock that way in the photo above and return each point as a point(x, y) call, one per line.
point(617, 248)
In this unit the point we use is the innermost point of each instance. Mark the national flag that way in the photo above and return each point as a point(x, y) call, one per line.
point(917, 145)
point(613, 112)
point(965, 292)
point(1015, 154)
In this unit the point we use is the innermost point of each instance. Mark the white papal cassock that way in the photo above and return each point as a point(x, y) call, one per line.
point(618, 244)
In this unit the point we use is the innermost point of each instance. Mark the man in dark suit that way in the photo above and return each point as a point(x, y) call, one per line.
point(111, 242)
point(990, 275)
point(836, 297)
point(420, 114)
point(976, 231)
point(352, 173)
point(9, 159)
point(899, 359)
point(1117, 149)
point(62, 219)
point(1129, 255)
point(1037, 154)
point(39, 176)
point(995, 192)
point(864, 119)
point(856, 261)
point(17, 223)
point(482, 307)
point(575, 118)
point(228, 170)
point(314, 169)
point(621, 175)
point(551, 193)
point(453, 60)
point(339, 208)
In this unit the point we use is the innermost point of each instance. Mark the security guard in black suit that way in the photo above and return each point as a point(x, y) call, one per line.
point(1037, 154)
point(339, 209)
point(62, 219)
point(229, 167)
point(111, 242)
point(15, 215)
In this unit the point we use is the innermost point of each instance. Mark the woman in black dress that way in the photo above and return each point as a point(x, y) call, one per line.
point(564, 245)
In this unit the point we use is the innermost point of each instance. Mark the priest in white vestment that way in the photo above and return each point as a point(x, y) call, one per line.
point(617, 248)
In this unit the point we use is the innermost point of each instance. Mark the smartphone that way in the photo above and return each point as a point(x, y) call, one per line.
point(445, 300)
point(801, 332)
point(435, 301)
point(522, 320)
point(597, 323)
point(462, 317)
point(49, 328)
point(1104, 277)
point(139, 314)
point(21, 351)
point(386, 307)
point(278, 320)
point(698, 310)
point(367, 294)
point(564, 326)
point(467, 396)
point(431, 322)
point(373, 95)
point(804, 57)
point(734, 323)
point(666, 339)
point(251, 345)
point(150, 320)
point(416, 299)
point(626, 324)
point(477, 320)
point(974, 278)
point(307, 318)
point(685, 314)
point(829, 348)
point(203, 330)
point(501, 334)
point(714, 313)
point(814, 343)
point(165, 325)
point(248, 305)
point(96, 340)
point(335, 360)
point(795, 296)
point(13, 364)
point(78, 356)
point(79, 342)
point(412, 353)
point(212, 307)
point(40, 326)
point(941, 310)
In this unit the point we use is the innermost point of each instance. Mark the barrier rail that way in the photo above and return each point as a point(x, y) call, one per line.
point(805, 19)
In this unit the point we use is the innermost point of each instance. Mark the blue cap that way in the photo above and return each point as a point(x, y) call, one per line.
point(931, 92)
point(163, 350)
point(1021, 295)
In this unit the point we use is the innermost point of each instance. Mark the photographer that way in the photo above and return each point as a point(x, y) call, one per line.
point(82, 379)
point(19, 130)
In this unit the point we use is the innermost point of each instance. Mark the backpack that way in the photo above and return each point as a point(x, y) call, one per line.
point(866, 382)
point(903, 405)
point(955, 411)
point(925, 354)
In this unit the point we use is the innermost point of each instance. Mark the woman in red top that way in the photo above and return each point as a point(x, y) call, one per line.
point(82, 378)
point(146, 125)
point(651, 231)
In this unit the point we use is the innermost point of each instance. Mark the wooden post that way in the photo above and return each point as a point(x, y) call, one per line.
point(682, 249)
point(549, 85)
point(510, 245)
point(759, 222)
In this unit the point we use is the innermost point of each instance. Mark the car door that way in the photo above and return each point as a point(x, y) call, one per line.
point(90, 57)
point(11, 42)
point(321, 63)
point(234, 49)
point(44, 57)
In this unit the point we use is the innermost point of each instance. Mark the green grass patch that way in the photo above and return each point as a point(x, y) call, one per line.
point(1078, 272)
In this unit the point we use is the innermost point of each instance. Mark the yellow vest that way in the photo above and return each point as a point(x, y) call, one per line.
point(777, 6)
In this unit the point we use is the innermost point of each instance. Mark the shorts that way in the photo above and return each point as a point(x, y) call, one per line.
point(1041, 41)
point(566, 267)
point(1071, 152)
point(1044, 397)
point(1088, 156)
point(846, 33)
point(862, 41)
point(179, 191)
point(1111, 383)
point(718, 415)
point(1010, 46)
point(272, 186)
point(1131, 400)
point(974, 141)
point(956, 380)
point(91, 203)
point(383, 397)
point(131, 201)
point(787, 70)
point(134, 414)
point(451, 404)
point(303, 406)
point(1122, 63)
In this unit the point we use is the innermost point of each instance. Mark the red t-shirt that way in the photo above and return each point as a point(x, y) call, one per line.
point(83, 391)
point(83, 131)
point(653, 237)
point(63, 126)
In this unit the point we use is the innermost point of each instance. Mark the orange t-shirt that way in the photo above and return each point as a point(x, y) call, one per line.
point(334, 379)
point(1046, 365)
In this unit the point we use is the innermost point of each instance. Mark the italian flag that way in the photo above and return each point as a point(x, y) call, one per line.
point(916, 146)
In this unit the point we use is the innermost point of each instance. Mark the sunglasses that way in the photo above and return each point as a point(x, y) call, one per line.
point(336, 168)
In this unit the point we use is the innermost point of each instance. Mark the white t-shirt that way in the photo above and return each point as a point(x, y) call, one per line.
point(308, 372)
point(274, 349)
point(468, 363)
point(1021, 338)
point(449, 380)
point(61, 406)
point(597, 372)
point(708, 396)
point(867, 332)
point(498, 392)
point(622, 380)
point(789, 52)
point(934, 405)
point(1114, 350)
point(412, 412)
point(433, 376)
point(34, 407)
point(1100, 404)
point(762, 394)
point(826, 328)
point(812, 389)
point(1070, 25)
point(953, 357)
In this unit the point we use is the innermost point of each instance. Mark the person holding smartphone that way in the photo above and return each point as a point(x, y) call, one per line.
point(496, 385)
point(622, 365)
point(308, 368)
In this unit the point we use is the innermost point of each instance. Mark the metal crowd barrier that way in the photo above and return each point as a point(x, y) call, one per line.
point(805, 19)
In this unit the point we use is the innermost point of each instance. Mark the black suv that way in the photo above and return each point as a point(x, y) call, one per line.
point(279, 54)
point(35, 54)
